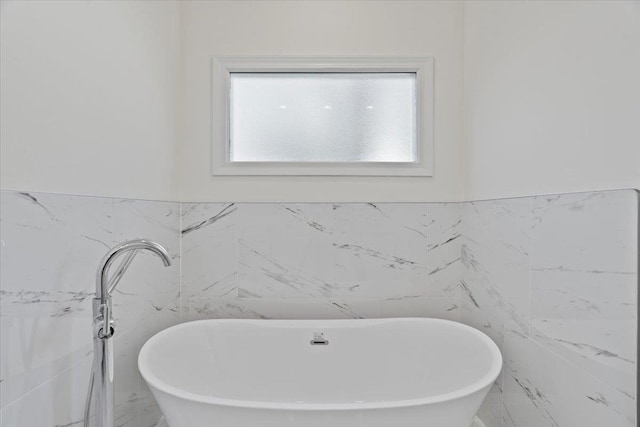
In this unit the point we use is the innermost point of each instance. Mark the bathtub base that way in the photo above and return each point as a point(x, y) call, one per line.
point(477, 422)
point(186, 413)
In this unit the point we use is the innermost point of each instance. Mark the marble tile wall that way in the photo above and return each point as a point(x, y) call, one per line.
point(51, 246)
point(320, 260)
point(237, 260)
point(553, 280)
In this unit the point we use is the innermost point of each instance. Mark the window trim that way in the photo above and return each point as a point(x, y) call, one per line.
point(223, 66)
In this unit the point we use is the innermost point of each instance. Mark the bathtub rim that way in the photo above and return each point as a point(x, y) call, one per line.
point(484, 382)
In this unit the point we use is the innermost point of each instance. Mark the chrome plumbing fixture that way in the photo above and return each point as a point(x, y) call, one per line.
point(101, 382)
point(318, 339)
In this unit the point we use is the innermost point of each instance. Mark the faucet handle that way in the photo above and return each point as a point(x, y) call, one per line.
point(104, 325)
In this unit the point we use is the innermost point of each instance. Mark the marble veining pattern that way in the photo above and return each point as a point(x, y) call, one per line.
point(495, 253)
point(542, 389)
point(379, 249)
point(444, 260)
point(551, 279)
point(209, 250)
point(584, 282)
point(51, 246)
point(284, 251)
point(320, 260)
point(495, 278)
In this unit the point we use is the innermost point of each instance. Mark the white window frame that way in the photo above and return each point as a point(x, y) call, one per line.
point(223, 66)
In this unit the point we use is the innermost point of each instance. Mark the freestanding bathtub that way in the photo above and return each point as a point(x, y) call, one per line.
point(320, 373)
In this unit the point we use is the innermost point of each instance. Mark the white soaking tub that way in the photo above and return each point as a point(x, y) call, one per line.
point(320, 373)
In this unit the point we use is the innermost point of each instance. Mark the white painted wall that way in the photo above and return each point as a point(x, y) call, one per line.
point(89, 97)
point(552, 97)
point(89, 94)
point(321, 28)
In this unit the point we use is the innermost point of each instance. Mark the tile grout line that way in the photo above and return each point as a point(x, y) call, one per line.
point(180, 284)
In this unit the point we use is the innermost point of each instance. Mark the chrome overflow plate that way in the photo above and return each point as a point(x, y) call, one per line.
point(319, 339)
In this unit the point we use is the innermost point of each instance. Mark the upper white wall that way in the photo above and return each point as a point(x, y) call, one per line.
point(89, 97)
point(552, 97)
point(320, 28)
point(89, 94)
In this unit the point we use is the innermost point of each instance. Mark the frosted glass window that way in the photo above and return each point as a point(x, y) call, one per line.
point(323, 117)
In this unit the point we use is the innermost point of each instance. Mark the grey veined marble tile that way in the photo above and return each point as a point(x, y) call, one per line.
point(494, 286)
point(284, 250)
point(584, 282)
point(50, 248)
point(281, 308)
point(52, 245)
point(542, 389)
point(209, 250)
point(444, 247)
point(495, 257)
point(57, 402)
point(380, 249)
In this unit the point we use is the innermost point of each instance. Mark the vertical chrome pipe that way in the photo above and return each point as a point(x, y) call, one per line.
point(103, 382)
point(103, 394)
point(103, 370)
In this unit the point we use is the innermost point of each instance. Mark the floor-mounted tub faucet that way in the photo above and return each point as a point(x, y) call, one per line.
point(101, 383)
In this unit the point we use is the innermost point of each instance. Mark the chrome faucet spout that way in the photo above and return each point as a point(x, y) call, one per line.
point(101, 384)
point(104, 286)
